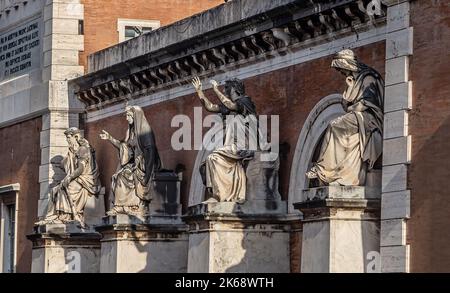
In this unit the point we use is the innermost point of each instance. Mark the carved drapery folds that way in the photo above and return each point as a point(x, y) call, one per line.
point(258, 45)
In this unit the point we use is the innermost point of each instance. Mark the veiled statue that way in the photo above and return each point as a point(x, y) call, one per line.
point(132, 185)
point(68, 199)
point(223, 171)
point(353, 143)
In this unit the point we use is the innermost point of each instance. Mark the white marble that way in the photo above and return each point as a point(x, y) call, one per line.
point(396, 205)
point(398, 97)
point(397, 70)
point(340, 244)
point(163, 255)
point(398, 15)
point(396, 124)
point(397, 151)
point(394, 178)
point(260, 248)
point(399, 43)
point(395, 259)
point(393, 232)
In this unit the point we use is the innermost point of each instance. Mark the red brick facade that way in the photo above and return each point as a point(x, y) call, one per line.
point(20, 159)
point(100, 18)
point(291, 92)
point(429, 173)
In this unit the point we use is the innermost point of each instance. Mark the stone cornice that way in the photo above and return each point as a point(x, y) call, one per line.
point(7, 5)
point(286, 27)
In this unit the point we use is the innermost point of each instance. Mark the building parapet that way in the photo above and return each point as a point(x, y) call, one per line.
point(235, 33)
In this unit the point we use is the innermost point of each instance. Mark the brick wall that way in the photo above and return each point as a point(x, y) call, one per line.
point(428, 230)
point(100, 17)
point(20, 159)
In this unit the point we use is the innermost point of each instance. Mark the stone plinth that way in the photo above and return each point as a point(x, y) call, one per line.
point(153, 243)
point(239, 238)
point(165, 207)
point(130, 245)
point(340, 230)
point(65, 248)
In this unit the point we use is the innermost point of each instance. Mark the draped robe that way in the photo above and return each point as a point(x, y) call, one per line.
point(353, 142)
point(139, 160)
point(224, 171)
point(79, 189)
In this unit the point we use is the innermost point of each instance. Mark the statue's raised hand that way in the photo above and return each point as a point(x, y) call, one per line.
point(197, 84)
point(105, 135)
point(214, 83)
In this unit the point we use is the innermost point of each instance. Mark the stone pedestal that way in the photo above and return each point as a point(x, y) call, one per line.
point(130, 245)
point(65, 248)
point(340, 230)
point(239, 238)
point(154, 243)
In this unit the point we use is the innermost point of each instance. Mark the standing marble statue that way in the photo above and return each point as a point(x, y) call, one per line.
point(139, 160)
point(68, 199)
point(353, 142)
point(223, 172)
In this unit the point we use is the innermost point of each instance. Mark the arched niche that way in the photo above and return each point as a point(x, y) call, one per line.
point(314, 127)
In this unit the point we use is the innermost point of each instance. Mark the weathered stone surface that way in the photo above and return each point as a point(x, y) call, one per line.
point(152, 248)
point(262, 179)
point(61, 248)
point(248, 208)
point(341, 192)
point(336, 213)
point(250, 249)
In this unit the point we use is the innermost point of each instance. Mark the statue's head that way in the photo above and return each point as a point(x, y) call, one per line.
point(73, 136)
point(345, 62)
point(234, 88)
point(129, 112)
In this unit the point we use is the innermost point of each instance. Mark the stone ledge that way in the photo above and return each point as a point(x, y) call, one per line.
point(247, 209)
point(342, 192)
point(122, 222)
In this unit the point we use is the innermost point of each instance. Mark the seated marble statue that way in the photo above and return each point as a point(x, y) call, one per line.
point(223, 172)
point(132, 185)
point(353, 142)
point(68, 199)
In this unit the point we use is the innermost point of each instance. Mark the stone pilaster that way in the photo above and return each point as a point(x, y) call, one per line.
point(395, 206)
point(61, 45)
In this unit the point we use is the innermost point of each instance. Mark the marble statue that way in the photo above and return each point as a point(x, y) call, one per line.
point(353, 142)
point(68, 199)
point(223, 171)
point(132, 185)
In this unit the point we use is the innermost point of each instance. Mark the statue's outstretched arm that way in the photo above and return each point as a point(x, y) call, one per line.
point(224, 99)
point(211, 107)
point(106, 136)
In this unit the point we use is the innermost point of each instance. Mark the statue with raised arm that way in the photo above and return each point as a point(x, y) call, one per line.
point(223, 172)
point(139, 160)
point(68, 199)
point(353, 142)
